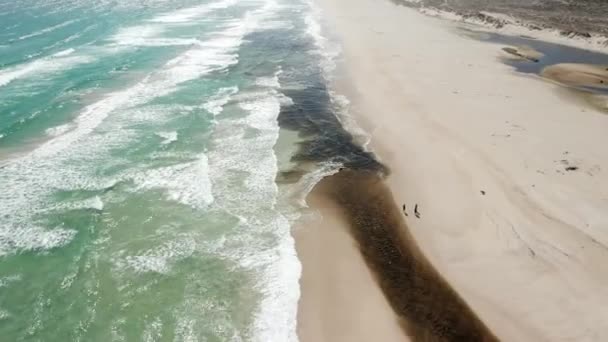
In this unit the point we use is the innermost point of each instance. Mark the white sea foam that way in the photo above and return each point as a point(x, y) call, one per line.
point(159, 259)
point(168, 137)
point(91, 203)
point(328, 50)
point(341, 106)
point(76, 35)
point(64, 53)
point(157, 112)
point(215, 104)
point(186, 183)
point(41, 67)
point(31, 238)
point(48, 29)
point(94, 203)
point(306, 184)
point(58, 130)
point(185, 330)
point(147, 35)
point(272, 82)
point(191, 13)
point(151, 34)
point(262, 112)
point(8, 280)
point(275, 319)
point(136, 35)
point(153, 330)
point(68, 280)
point(12, 26)
point(150, 263)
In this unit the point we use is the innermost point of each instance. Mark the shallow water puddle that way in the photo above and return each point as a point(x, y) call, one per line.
point(582, 71)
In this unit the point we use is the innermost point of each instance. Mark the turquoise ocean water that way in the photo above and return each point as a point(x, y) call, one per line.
point(139, 152)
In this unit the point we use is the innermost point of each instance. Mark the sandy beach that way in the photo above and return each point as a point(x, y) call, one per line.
point(340, 300)
point(507, 170)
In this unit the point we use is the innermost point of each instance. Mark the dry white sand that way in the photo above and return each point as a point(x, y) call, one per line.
point(451, 121)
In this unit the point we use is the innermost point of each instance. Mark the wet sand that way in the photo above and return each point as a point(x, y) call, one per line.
point(508, 174)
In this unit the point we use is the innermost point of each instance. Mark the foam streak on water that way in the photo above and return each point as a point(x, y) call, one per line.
point(41, 67)
point(48, 29)
point(188, 14)
point(187, 183)
point(216, 103)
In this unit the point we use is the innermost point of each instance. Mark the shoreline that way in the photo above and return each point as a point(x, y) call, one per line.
point(491, 223)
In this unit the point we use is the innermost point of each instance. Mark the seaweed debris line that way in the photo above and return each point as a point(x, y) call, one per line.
point(427, 306)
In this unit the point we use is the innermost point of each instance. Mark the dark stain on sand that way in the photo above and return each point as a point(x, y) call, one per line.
point(429, 309)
